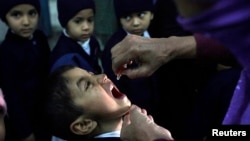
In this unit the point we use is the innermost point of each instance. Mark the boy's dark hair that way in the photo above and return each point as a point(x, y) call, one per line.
point(6, 5)
point(126, 7)
point(68, 9)
point(60, 109)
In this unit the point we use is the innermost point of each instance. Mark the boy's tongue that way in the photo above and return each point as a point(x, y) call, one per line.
point(117, 94)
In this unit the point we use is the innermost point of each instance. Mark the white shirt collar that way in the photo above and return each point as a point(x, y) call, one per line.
point(145, 34)
point(109, 134)
point(85, 45)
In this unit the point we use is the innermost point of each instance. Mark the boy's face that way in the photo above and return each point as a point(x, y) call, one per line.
point(22, 20)
point(81, 26)
point(96, 94)
point(137, 23)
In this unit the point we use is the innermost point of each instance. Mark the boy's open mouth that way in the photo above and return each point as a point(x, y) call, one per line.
point(116, 93)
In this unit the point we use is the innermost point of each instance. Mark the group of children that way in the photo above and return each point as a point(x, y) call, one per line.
point(77, 101)
point(26, 61)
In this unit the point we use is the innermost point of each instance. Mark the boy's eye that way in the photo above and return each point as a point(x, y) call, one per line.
point(127, 18)
point(87, 85)
point(90, 20)
point(77, 21)
point(33, 13)
point(80, 20)
point(16, 14)
point(142, 14)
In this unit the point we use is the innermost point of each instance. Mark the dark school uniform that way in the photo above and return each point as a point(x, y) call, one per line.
point(68, 52)
point(23, 71)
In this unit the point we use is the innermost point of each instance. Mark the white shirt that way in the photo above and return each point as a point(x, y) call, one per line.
point(109, 134)
point(85, 45)
point(145, 34)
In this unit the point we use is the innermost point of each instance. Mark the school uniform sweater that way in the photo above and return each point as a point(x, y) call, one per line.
point(69, 52)
point(24, 68)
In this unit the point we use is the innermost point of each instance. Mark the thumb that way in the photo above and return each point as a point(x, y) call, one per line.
point(126, 120)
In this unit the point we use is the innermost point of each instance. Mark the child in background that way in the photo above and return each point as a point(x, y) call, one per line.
point(90, 106)
point(134, 17)
point(76, 45)
point(24, 56)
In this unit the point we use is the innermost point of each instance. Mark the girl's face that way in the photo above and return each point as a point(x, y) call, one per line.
point(96, 94)
point(22, 20)
point(137, 23)
point(81, 26)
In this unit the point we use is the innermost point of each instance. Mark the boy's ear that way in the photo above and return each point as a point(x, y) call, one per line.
point(83, 126)
point(152, 16)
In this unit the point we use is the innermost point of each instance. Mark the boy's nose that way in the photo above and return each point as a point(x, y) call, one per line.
point(26, 20)
point(102, 78)
point(136, 21)
point(85, 26)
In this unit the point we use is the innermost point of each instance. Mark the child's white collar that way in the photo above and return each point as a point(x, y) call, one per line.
point(84, 45)
point(109, 134)
point(145, 34)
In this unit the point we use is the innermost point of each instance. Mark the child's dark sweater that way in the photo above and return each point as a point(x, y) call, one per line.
point(24, 67)
point(68, 52)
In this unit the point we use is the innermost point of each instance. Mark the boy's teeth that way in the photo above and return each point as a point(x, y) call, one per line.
point(111, 87)
point(118, 76)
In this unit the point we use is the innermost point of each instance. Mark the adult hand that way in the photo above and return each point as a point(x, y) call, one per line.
point(149, 53)
point(138, 126)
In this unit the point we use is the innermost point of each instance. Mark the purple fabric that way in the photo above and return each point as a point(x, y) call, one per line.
point(229, 22)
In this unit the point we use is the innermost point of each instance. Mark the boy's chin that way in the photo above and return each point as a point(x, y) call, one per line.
point(128, 109)
point(26, 36)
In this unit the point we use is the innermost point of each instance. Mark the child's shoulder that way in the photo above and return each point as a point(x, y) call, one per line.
point(39, 33)
point(116, 37)
point(95, 42)
point(93, 38)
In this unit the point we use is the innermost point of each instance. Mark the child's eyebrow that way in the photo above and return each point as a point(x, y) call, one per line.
point(20, 11)
point(15, 11)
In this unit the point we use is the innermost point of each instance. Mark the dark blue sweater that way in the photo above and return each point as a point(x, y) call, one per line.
point(68, 52)
point(24, 68)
